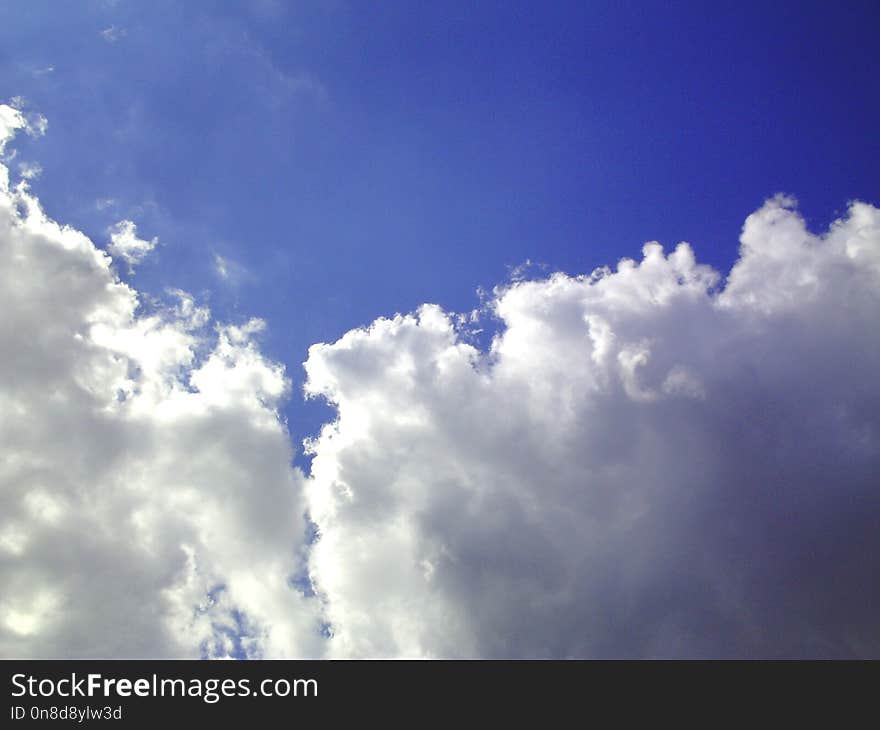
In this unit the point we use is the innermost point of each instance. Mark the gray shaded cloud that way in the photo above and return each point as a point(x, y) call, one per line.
point(649, 462)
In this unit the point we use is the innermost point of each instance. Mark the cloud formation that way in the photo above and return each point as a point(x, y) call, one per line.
point(113, 33)
point(648, 461)
point(125, 244)
point(147, 502)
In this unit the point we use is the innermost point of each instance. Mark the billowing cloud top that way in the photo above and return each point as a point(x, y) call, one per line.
point(644, 464)
point(147, 503)
point(650, 461)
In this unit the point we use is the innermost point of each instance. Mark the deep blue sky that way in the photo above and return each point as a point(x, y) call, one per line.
point(356, 159)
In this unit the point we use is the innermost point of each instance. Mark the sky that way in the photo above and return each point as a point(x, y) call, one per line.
point(395, 208)
point(355, 160)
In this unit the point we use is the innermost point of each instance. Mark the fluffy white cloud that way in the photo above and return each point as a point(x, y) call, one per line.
point(148, 506)
point(648, 462)
point(125, 244)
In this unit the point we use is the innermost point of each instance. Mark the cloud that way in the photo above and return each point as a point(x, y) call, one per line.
point(30, 170)
point(14, 118)
point(276, 84)
point(648, 462)
point(221, 266)
point(125, 244)
point(148, 506)
point(113, 33)
point(229, 271)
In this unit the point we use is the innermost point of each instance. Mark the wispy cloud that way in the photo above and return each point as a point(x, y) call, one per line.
point(30, 170)
point(113, 33)
point(282, 84)
point(229, 271)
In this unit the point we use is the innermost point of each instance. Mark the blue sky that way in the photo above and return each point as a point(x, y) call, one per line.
point(350, 160)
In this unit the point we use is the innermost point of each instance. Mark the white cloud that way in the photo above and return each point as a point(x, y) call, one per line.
point(125, 244)
point(35, 125)
point(641, 466)
point(113, 33)
point(13, 118)
point(147, 502)
point(221, 266)
point(647, 462)
point(10, 121)
point(231, 272)
point(29, 170)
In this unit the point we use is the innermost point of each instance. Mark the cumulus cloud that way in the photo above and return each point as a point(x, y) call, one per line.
point(650, 461)
point(148, 506)
point(125, 244)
